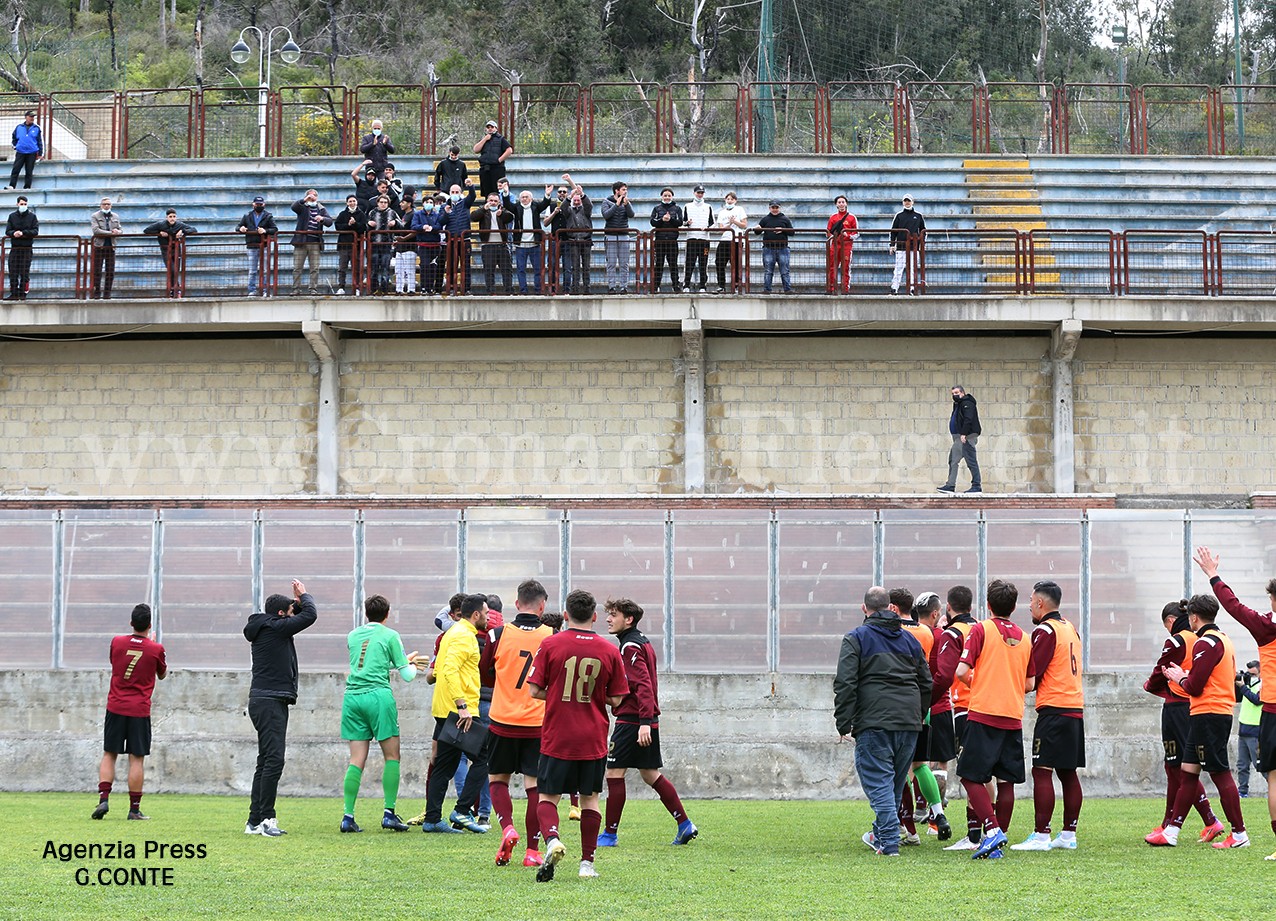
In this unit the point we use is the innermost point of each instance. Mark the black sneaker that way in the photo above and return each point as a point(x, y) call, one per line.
point(393, 822)
point(101, 809)
point(975, 489)
point(135, 815)
point(947, 489)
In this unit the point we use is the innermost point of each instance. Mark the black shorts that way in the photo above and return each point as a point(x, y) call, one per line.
point(1058, 741)
point(514, 756)
point(624, 751)
point(959, 727)
point(1267, 743)
point(986, 752)
point(1174, 718)
point(1208, 737)
point(555, 776)
point(943, 737)
point(922, 751)
point(126, 734)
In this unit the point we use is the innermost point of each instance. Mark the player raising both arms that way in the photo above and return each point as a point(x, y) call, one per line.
point(578, 674)
point(635, 742)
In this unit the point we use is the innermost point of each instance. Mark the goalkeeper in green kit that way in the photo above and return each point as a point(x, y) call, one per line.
point(368, 710)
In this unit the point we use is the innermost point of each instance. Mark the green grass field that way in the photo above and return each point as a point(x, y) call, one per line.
point(752, 860)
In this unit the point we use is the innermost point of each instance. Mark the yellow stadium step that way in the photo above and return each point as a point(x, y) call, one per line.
point(1026, 208)
point(999, 164)
point(1009, 193)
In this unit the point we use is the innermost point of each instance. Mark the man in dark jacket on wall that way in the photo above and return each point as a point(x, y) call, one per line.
point(881, 693)
point(274, 690)
point(963, 425)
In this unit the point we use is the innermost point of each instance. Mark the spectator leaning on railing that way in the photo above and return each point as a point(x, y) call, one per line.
point(170, 233)
point(258, 226)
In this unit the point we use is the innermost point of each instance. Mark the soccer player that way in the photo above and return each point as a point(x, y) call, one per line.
point(136, 661)
point(516, 718)
point(1177, 650)
point(1058, 739)
point(947, 657)
point(1211, 687)
point(1262, 627)
point(994, 663)
point(920, 622)
point(368, 710)
point(578, 674)
point(635, 742)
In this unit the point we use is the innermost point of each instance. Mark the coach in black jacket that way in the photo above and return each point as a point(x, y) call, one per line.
point(963, 425)
point(274, 690)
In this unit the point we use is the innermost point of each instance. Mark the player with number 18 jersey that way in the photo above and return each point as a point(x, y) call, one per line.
point(581, 670)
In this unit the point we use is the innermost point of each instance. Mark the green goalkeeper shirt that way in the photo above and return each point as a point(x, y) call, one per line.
point(375, 649)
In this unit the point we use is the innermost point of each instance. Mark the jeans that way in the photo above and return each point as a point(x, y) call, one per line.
point(255, 280)
point(882, 759)
point(965, 450)
point(445, 765)
point(270, 719)
point(901, 264)
point(463, 772)
point(1246, 755)
point(771, 255)
point(523, 257)
point(616, 248)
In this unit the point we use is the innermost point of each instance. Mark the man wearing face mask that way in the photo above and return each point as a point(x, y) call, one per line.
point(554, 220)
point(493, 151)
point(906, 237)
point(349, 224)
point(697, 218)
point(377, 147)
point(732, 221)
point(429, 224)
point(666, 218)
point(456, 217)
point(963, 425)
point(307, 239)
point(493, 220)
point(578, 239)
point(527, 237)
point(105, 227)
point(22, 228)
point(257, 226)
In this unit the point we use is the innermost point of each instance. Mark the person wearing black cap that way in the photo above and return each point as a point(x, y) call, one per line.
point(257, 226)
point(775, 228)
point(906, 237)
point(171, 233)
point(28, 146)
point(365, 185)
point(698, 218)
point(493, 151)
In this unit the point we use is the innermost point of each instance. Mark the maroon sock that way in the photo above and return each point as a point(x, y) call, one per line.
point(502, 805)
point(1043, 798)
point(615, 803)
point(533, 819)
point(1203, 802)
point(919, 800)
point(1173, 777)
point(135, 800)
point(547, 816)
point(669, 796)
point(575, 798)
point(1072, 798)
point(905, 813)
point(1230, 797)
point(1186, 796)
point(104, 791)
point(1005, 805)
point(590, 821)
point(981, 803)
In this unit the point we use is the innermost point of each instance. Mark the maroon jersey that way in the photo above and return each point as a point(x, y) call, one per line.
point(579, 670)
point(642, 704)
point(135, 664)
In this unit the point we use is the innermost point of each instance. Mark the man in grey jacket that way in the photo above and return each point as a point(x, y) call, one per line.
point(881, 693)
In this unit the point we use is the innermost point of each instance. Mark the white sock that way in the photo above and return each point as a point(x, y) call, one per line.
point(1068, 835)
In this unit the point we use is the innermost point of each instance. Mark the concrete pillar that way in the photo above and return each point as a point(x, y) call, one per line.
point(1063, 345)
point(326, 343)
point(693, 463)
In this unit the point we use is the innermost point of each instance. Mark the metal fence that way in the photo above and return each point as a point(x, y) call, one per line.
point(725, 589)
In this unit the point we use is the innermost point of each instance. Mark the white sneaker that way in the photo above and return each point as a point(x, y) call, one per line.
point(1060, 843)
point(273, 825)
point(913, 840)
point(587, 870)
point(341, 292)
point(963, 844)
point(1037, 841)
point(251, 829)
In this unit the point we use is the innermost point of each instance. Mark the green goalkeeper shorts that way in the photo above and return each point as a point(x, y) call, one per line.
point(369, 715)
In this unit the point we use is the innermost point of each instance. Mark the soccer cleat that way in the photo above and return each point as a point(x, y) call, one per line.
point(101, 809)
point(1271, 856)
point(508, 841)
point(417, 819)
point(607, 839)
point(997, 855)
point(942, 828)
point(1037, 841)
point(964, 844)
point(439, 828)
point(533, 858)
point(573, 813)
point(870, 839)
point(1210, 832)
point(349, 826)
point(686, 831)
point(554, 852)
point(466, 821)
point(1155, 831)
point(587, 870)
point(991, 844)
point(392, 822)
point(1060, 843)
point(135, 815)
point(273, 823)
point(1166, 837)
point(1235, 839)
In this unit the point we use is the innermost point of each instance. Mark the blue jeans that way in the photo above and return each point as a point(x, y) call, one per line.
point(770, 256)
point(523, 257)
point(254, 269)
point(882, 759)
point(616, 249)
point(463, 771)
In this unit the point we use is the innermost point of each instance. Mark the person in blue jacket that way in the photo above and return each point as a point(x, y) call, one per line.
point(28, 146)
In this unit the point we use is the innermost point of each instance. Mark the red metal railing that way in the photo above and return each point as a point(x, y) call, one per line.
point(1021, 118)
point(1179, 119)
point(1099, 118)
point(309, 121)
point(866, 118)
point(944, 117)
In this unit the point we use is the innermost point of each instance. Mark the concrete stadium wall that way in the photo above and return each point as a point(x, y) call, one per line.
point(730, 736)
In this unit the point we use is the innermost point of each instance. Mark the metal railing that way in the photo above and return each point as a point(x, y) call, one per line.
point(752, 588)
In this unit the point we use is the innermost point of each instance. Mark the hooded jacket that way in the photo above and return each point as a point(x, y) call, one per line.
point(965, 417)
point(883, 681)
point(274, 655)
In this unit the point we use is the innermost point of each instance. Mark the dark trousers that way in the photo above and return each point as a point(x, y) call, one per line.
point(666, 251)
point(22, 161)
point(497, 255)
point(697, 252)
point(728, 254)
point(489, 173)
point(578, 259)
point(103, 270)
point(270, 719)
point(19, 270)
point(445, 764)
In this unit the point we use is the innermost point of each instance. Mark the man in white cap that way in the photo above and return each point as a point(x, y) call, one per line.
point(493, 151)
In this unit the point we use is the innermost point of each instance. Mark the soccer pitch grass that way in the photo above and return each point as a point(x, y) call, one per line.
point(753, 860)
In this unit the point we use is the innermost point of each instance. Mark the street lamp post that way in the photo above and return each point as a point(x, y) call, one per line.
point(240, 53)
point(1119, 37)
point(1240, 98)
